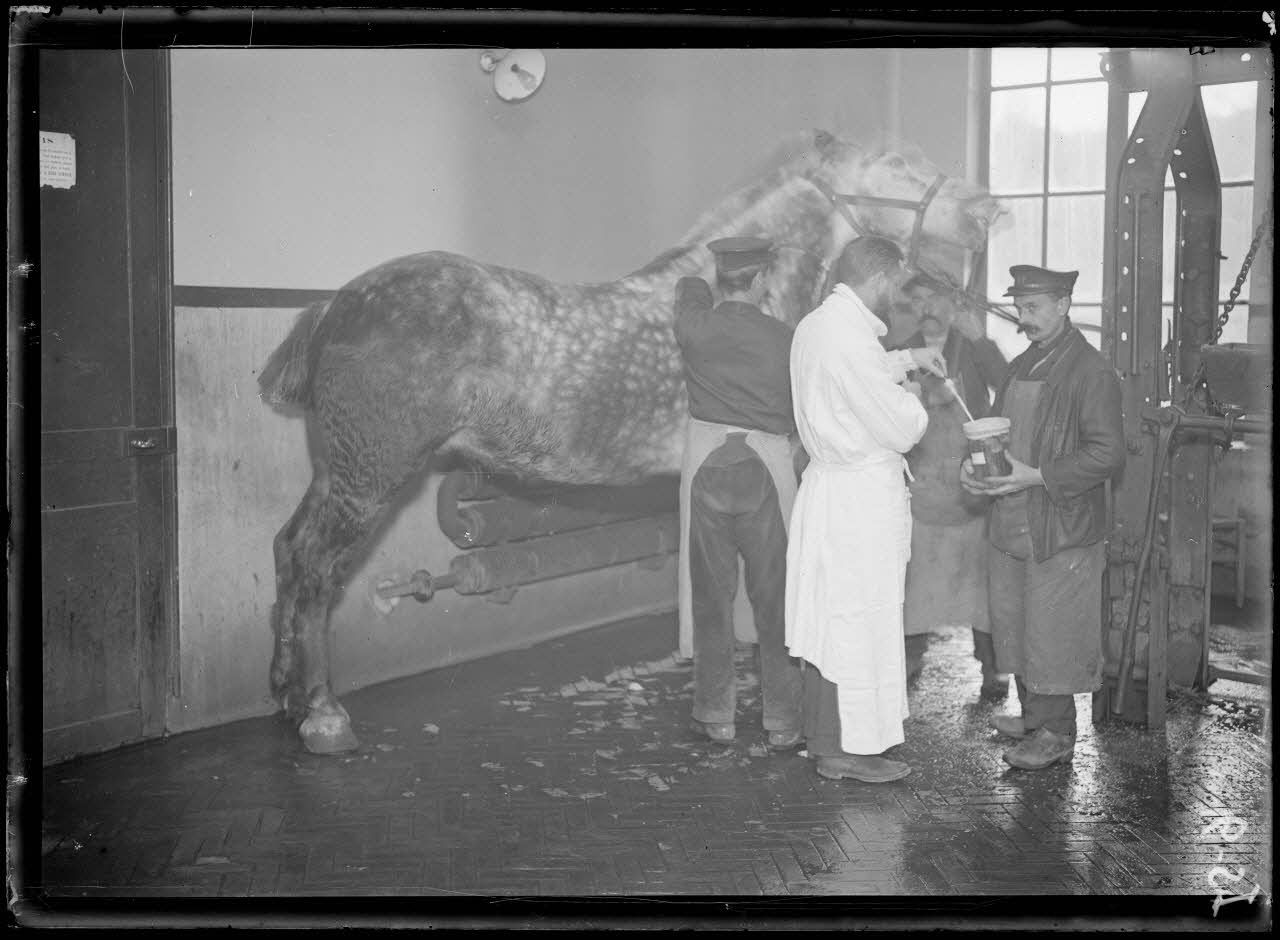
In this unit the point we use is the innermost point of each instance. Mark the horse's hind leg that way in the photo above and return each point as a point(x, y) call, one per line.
point(348, 508)
point(286, 679)
point(319, 557)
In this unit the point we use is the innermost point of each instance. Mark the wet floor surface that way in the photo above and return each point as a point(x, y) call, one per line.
point(568, 769)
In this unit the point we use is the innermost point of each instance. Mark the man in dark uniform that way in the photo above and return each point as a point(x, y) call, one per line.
point(1049, 518)
point(947, 574)
point(737, 370)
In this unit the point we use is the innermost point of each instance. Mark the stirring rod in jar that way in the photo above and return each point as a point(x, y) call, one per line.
point(951, 386)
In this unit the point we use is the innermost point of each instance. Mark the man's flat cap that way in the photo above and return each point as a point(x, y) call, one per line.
point(1028, 279)
point(735, 254)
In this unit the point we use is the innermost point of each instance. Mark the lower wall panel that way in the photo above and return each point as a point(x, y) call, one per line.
point(242, 469)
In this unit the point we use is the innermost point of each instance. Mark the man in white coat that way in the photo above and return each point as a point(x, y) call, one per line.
point(857, 416)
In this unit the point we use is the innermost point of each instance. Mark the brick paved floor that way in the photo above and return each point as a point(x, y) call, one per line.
point(567, 769)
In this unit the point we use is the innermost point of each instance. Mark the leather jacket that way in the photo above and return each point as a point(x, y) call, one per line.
point(1078, 445)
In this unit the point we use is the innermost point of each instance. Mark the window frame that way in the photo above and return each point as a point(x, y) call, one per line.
point(1045, 193)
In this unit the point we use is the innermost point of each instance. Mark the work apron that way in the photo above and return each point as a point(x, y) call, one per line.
point(947, 575)
point(846, 567)
point(1045, 616)
point(775, 451)
point(1010, 525)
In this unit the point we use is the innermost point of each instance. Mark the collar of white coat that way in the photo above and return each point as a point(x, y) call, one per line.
point(847, 293)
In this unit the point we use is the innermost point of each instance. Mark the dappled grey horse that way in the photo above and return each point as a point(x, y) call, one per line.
point(576, 384)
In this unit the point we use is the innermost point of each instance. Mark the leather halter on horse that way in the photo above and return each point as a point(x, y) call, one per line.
point(842, 201)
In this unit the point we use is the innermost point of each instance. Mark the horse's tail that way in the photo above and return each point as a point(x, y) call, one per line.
point(286, 378)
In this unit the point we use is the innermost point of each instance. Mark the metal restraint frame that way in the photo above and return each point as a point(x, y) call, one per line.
point(1159, 547)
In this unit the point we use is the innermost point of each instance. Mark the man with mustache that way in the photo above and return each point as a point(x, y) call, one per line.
point(947, 575)
point(1048, 518)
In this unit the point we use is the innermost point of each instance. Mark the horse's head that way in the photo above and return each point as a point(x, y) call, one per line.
point(958, 213)
point(791, 204)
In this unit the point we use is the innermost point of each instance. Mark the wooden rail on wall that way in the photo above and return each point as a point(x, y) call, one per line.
point(186, 295)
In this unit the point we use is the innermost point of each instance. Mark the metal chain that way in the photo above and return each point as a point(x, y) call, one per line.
point(1263, 226)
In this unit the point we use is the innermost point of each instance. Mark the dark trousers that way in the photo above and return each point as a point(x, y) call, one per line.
point(1055, 712)
point(734, 509)
point(984, 651)
point(821, 715)
point(915, 646)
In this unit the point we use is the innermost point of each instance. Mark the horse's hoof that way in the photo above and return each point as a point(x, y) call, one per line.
point(323, 744)
point(328, 734)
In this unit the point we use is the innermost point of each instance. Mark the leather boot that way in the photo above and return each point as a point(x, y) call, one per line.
point(863, 768)
point(1040, 750)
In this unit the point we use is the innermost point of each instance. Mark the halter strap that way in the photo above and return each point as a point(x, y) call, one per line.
point(969, 293)
point(842, 201)
point(924, 207)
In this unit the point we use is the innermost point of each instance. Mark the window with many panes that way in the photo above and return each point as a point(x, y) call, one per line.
point(1046, 160)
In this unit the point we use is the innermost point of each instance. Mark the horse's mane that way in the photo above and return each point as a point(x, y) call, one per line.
point(670, 256)
point(797, 157)
point(793, 158)
point(787, 162)
point(800, 156)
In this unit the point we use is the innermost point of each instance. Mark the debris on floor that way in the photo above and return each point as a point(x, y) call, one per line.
point(592, 783)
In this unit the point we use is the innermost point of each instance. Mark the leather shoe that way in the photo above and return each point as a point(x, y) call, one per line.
point(722, 731)
point(785, 740)
point(1009, 725)
point(1041, 750)
point(865, 769)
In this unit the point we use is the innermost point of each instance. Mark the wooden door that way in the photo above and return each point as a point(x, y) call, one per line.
point(106, 403)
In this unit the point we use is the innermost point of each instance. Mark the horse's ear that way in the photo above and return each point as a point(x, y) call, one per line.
point(824, 141)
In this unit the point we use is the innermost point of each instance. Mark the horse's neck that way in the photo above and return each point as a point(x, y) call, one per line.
point(686, 260)
point(795, 216)
point(765, 210)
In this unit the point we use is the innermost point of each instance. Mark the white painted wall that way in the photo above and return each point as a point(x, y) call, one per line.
point(303, 167)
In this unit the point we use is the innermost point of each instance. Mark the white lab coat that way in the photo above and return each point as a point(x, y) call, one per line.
point(851, 525)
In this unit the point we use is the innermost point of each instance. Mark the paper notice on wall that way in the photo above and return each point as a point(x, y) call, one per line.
point(57, 160)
